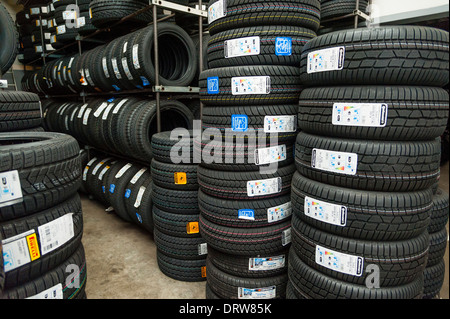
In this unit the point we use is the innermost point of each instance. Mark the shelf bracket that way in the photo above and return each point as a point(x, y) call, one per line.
point(179, 7)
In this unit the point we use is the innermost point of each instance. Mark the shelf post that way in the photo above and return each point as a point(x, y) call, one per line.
point(156, 54)
point(357, 16)
point(200, 38)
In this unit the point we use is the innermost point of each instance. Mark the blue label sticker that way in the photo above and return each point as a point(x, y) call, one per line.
point(239, 123)
point(116, 87)
point(103, 189)
point(139, 218)
point(111, 99)
point(283, 46)
point(111, 188)
point(246, 214)
point(127, 193)
point(145, 82)
point(213, 85)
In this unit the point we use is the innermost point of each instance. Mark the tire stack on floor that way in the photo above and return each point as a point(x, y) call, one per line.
point(181, 251)
point(250, 92)
point(41, 221)
point(20, 111)
point(434, 273)
point(367, 158)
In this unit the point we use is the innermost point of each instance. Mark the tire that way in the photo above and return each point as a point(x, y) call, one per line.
point(399, 262)
point(278, 45)
point(48, 257)
point(379, 165)
point(227, 286)
point(176, 201)
point(282, 85)
point(414, 113)
point(440, 212)
point(332, 9)
point(174, 176)
point(184, 248)
point(437, 246)
point(9, 37)
point(374, 56)
point(236, 186)
point(165, 144)
point(19, 111)
point(434, 277)
point(175, 224)
point(181, 269)
point(303, 13)
point(308, 283)
point(140, 204)
point(48, 166)
point(364, 215)
point(105, 13)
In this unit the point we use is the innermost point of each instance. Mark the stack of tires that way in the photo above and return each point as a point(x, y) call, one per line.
point(9, 38)
point(106, 12)
point(20, 111)
point(181, 251)
point(122, 186)
point(434, 273)
point(367, 158)
point(41, 221)
point(121, 126)
point(250, 92)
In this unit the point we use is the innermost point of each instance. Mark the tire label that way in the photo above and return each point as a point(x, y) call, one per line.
point(335, 162)
point(280, 124)
point(123, 170)
point(248, 214)
point(141, 192)
point(257, 293)
point(242, 47)
point(97, 167)
point(20, 250)
point(108, 109)
point(250, 85)
point(137, 176)
point(61, 29)
point(239, 122)
point(56, 233)
point(325, 212)
point(100, 109)
point(283, 46)
point(286, 237)
point(217, 11)
point(135, 55)
point(340, 262)
point(83, 107)
point(104, 170)
point(126, 69)
point(264, 187)
point(213, 85)
point(180, 178)
point(105, 67)
point(266, 263)
point(202, 249)
point(360, 114)
point(331, 59)
point(279, 212)
point(119, 105)
point(55, 292)
point(116, 68)
point(10, 188)
point(270, 154)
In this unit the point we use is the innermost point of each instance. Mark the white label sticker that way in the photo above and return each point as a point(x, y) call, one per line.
point(360, 114)
point(126, 69)
point(279, 212)
point(81, 22)
point(10, 188)
point(61, 29)
point(202, 249)
point(257, 293)
point(330, 59)
point(267, 263)
point(105, 67)
point(137, 175)
point(216, 11)
point(123, 170)
point(116, 68)
point(69, 15)
point(83, 107)
point(15, 251)
point(264, 187)
point(108, 109)
point(100, 109)
point(55, 292)
point(139, 196)
point(135, 51)
point(86, 116)
point(242, 47)
point(56, 233)
point(280, 124)
point(325, 212)
point(103, 172)
point(250, 85)
point(340, 262)
point(270, 154)
point(336, 162)
point(286, 236)
point(119, 105)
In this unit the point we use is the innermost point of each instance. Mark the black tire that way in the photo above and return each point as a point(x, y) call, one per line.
point(378, 165)
point(176, 201)
point(48, 166)
point(278, 45)
point(339, 8)
point(174, 147)
point(176, 224)
point(182, 269)
point(303, 13)
point(282, 85)
point(9, 37)
point(433, 280)
point(234, 185)
point(437, 246)
point(19, 111)
point(399, 262)
point(227, 286)
point(47, 256)
point(105, 13)
point(174, 176)
point(440, 212)
point(140, 204)
point(187, 248)
point(397, 55)
point(308, 283)
point(375, 216)
point(413, 113)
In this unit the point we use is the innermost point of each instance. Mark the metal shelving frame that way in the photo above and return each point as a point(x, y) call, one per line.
point(156, 89)
point(357, 14)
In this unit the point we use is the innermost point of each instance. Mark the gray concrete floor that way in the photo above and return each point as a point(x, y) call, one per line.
point(122, 264)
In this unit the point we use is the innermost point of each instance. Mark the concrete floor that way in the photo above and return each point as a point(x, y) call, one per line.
point(122, 264)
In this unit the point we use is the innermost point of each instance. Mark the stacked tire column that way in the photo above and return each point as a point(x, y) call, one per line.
point(250, 94)
point(181, 251)
point(367, 158)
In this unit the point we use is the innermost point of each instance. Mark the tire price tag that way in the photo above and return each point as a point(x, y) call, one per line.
point(335, 162)
point(360, 114)
point(340, 262)
point(217, 11)
point(242, 47)
point(10, 188)
point(257, 293)
point(250, 85)
point(325, 212)
point(264, 187)
point(331, 59)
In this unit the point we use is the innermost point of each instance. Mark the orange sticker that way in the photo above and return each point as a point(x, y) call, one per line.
point(33, 246)
point(180, 178)
point(203, 271)
point(192, 228)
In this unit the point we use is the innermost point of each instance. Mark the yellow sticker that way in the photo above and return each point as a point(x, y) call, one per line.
point(204, 272)
point(180, 178)
point(33, 246)
point(192, 228)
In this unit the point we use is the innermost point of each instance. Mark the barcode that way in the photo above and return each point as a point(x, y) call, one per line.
point(50, 246)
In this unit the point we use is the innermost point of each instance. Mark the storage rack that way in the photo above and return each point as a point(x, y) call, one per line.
point(156, 89)
point(357, 14)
